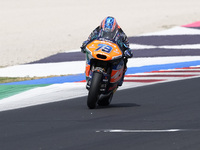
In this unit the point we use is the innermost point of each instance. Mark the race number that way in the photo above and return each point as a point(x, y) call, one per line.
point(104, 48)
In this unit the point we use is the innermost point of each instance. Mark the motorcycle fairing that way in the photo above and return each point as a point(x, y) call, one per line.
point(103, 50)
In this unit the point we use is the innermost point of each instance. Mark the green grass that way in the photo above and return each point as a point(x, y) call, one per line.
point(9, 90)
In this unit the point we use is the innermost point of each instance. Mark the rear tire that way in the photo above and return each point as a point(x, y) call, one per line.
point(105, 100)
point(93, 94)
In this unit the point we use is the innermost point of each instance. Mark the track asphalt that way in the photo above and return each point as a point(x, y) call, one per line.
point(149, 110)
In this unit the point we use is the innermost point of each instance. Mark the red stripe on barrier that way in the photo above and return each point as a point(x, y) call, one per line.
point(175, 71)
point(194, 24)
point(160, 75)
point(81, 81)
point(143, 81)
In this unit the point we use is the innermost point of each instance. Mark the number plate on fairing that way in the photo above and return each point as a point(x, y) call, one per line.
point(104, 48)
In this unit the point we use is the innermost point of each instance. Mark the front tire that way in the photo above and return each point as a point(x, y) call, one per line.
point(93, 94)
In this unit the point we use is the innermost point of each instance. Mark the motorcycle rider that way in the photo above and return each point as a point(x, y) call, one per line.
point(109, 30)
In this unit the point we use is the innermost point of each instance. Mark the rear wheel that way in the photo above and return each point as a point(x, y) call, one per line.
point(105, 100)
point(93, 94)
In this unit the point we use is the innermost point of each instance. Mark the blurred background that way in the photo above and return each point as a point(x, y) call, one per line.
point(33, 29)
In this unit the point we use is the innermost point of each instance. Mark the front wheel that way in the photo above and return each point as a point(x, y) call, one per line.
point(93, 94)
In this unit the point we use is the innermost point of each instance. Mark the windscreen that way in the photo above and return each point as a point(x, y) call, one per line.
point(107, 35)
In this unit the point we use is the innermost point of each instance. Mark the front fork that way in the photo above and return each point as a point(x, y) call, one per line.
point(104, 81)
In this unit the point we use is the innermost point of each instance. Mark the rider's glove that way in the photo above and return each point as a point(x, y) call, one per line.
point(83, 47)
point(128, 53)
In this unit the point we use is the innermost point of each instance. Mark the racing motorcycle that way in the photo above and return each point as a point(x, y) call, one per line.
point(104, 71)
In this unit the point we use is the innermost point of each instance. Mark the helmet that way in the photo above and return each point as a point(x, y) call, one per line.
point(109, 28)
